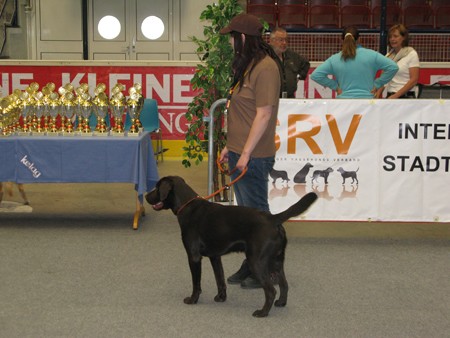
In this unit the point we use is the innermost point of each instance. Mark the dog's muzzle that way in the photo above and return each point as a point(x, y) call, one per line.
point(158, 206)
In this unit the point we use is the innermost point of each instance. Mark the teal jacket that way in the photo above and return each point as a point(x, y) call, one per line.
point(356, 77)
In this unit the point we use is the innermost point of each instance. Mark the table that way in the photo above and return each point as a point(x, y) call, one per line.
point(81, 159)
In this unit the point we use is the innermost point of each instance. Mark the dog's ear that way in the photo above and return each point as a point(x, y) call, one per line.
point(164, 189)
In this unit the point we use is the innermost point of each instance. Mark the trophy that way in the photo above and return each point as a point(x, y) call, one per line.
point(54, 109)
point(135, 105)
point(101, 107)
point(77, 103)
point(25, 110)
point(16, 103)
point(9, 114)
point(6, 116)
point(117, 104)
point(86, 111)
point(39, 109)
point(117, 110)
point(31, 97)
point(68, 110)
point(101, 111)
point(83, 109)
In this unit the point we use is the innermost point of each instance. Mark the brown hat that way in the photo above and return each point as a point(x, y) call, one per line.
point(244, 23)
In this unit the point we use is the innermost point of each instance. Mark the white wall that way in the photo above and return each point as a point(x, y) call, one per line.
point(52, 30)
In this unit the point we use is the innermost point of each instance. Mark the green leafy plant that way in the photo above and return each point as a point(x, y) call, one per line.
point(212, 79)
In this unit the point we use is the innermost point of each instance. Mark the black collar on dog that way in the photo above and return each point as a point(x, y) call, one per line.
point(185, 204)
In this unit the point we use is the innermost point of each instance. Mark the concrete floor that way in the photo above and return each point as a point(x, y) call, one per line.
point(73, 267)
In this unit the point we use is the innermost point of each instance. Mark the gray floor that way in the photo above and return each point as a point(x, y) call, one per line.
point(73, 267)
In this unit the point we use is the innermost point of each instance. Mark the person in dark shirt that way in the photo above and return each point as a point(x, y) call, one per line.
point(293, 67)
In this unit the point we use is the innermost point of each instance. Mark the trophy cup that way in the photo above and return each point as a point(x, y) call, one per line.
point(86, 111)
point(5, 116)
point(117, 104)
point(134, 105)
point(30, 100)
point(101, 111)
point(68, 110)
point(25, 110)
point(54, 109)
point(117, 110)
point(101, 106)
point(73, 103)
point(16, 104)
point(9, 114)
point(39, 109)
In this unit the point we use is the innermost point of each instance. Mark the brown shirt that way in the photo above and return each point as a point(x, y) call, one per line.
point(261, 88)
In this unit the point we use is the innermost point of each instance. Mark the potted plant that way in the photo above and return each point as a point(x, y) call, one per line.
point(212, 79)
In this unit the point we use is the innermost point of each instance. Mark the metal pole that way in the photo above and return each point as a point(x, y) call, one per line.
point(210, 119)
point(383, 32)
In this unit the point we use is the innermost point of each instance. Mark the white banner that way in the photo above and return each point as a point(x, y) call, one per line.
point(368, 160)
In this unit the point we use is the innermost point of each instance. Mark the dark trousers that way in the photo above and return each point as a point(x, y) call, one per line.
point(408, 95)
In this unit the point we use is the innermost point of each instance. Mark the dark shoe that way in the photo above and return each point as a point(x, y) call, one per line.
point(239, 276)
point(251, 283)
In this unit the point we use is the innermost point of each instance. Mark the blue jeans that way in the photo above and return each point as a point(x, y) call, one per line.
point(252, 189)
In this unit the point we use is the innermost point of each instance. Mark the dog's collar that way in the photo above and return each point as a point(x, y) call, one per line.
point(178, 211)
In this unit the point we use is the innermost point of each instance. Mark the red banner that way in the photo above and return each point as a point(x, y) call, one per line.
point(169, 85)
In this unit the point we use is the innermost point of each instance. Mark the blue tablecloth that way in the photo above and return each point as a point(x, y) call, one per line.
point(76, 159)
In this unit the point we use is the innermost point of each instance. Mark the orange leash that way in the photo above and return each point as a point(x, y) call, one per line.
point(226, 186)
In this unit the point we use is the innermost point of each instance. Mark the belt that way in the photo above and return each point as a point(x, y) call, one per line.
point(409, 95)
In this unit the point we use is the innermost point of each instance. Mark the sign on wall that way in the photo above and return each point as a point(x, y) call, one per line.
point(385, 160)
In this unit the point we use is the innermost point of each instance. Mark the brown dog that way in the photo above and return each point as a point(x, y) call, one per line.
point(212, 230)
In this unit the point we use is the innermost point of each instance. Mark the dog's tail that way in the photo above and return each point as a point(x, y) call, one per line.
point(296, 209)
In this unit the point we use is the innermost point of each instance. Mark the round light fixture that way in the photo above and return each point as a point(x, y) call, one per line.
point(109, 27)
point(152, 27)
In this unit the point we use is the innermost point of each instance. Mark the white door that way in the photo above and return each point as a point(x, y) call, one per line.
point(129, 41)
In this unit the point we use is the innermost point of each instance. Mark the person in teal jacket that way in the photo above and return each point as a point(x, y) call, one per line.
point(354, 69)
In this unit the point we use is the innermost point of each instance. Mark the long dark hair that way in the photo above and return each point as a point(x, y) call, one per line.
point(247, 53)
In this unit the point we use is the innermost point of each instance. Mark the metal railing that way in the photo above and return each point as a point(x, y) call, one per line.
point(210, 119)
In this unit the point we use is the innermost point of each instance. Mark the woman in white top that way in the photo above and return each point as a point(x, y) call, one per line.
point(405, 80)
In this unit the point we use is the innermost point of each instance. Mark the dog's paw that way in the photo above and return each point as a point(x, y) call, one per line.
point(221, 297)
point(260, 314)
point(280, 303)
point(190, 300)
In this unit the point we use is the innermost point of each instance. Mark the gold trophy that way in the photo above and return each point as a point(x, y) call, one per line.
point(101, 108)
point(6, 116)
point(54, 109)
point(117, 104)
point(86, 111)
point(78, 103)
point(25, 109)
point(134, 107)
point(68, 110)
point(16, 103)
point(39, 109)
point(10, 111)
point(32, 100)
